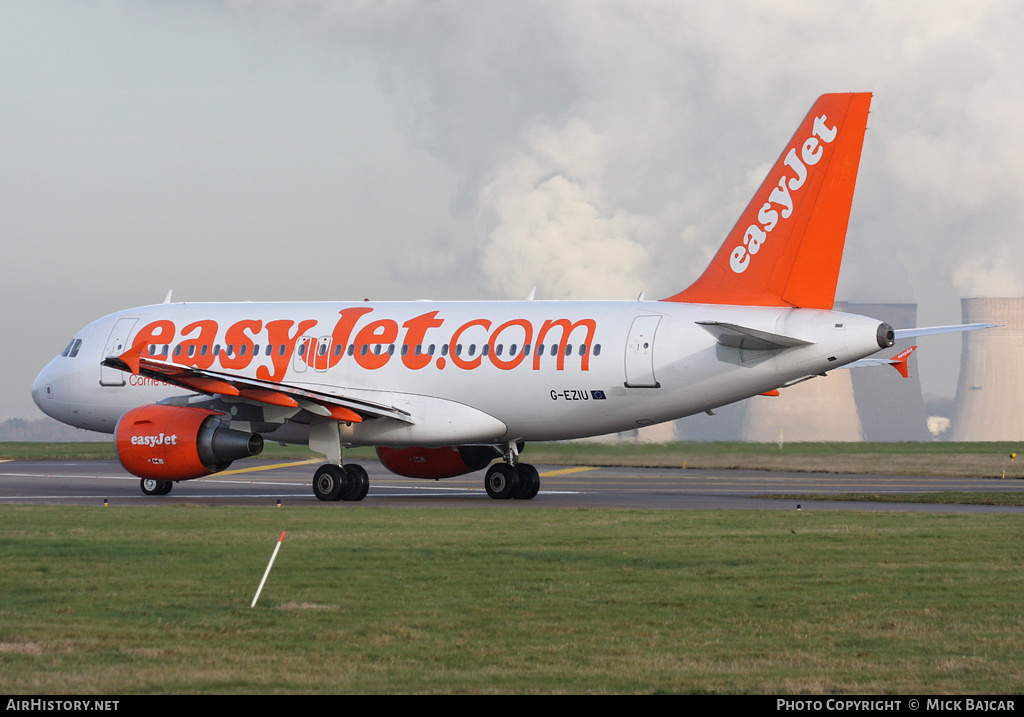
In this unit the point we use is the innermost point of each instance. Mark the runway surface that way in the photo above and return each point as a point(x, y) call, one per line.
point(265, 483)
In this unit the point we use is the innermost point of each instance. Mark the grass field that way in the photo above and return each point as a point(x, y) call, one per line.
point(156, 600)
point(937, 459)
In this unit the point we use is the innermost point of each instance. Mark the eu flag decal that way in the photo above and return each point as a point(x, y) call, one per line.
point(598, 395)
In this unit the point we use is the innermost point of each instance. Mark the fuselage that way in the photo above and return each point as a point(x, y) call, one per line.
point(464, 372)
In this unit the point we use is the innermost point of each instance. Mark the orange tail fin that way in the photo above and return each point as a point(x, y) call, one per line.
point(787, 247)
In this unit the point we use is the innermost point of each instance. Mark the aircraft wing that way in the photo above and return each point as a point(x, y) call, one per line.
point(336, 406)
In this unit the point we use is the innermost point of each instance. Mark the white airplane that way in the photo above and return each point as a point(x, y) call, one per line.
point(445, 388)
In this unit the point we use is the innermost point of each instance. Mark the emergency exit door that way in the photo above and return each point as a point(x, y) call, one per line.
point(117, 344)
point(640, 353)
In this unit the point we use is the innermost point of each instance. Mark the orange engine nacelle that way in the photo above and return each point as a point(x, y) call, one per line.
point(177, 443)
point(435, 462)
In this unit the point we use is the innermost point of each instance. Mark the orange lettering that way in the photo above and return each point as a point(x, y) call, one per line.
point(197, 352)
point(158, 333)
point(277, 331)
point(520, 355)
point(415, 330)
point(241, 345)
point(567, 329)
point(384, 331)
point(453, 349)
point(339, 337)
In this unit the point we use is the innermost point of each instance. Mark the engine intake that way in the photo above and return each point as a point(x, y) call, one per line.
point(179, 443)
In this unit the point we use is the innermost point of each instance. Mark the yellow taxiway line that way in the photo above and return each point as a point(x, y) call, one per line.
point(268, 467)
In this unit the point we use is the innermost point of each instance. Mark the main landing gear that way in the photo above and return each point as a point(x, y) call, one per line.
point(512, 479)
point(504, 480)
point(348, 482)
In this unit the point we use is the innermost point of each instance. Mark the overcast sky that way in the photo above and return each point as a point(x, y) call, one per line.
point(404, 149)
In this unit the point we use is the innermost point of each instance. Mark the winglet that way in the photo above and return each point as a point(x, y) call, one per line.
point(787, 247)
point(129, 358)
point(899, 361)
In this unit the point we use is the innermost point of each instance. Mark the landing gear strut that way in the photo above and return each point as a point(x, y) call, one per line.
point(349, 482)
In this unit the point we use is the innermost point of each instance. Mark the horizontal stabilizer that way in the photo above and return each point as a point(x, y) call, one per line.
point(743, 337)
point(911, 333)
point(898, 362)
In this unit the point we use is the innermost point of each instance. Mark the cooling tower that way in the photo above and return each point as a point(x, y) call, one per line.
point(819, 409)
point(891, 407)
point(990, 392)
point(873, 404)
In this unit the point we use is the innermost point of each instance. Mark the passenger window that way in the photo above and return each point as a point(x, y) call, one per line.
point(597, 350)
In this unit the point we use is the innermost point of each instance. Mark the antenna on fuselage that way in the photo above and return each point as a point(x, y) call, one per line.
point(167, 299)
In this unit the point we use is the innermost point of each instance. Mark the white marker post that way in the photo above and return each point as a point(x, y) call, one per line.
point(269, 566)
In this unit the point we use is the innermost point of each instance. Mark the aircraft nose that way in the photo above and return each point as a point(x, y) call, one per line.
point(42, 388)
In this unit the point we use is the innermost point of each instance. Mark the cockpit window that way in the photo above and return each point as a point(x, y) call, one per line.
point(72, 348)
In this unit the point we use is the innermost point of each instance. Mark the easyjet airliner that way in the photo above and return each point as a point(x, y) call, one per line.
point(447, 388)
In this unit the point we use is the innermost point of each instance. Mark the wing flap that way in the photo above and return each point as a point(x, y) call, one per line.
point(338, 407)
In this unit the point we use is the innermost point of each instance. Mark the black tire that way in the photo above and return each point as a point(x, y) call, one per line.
point(152, 486)
point(529, 482)
point(329, 481)
point(501, 481)
point(359, 482)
